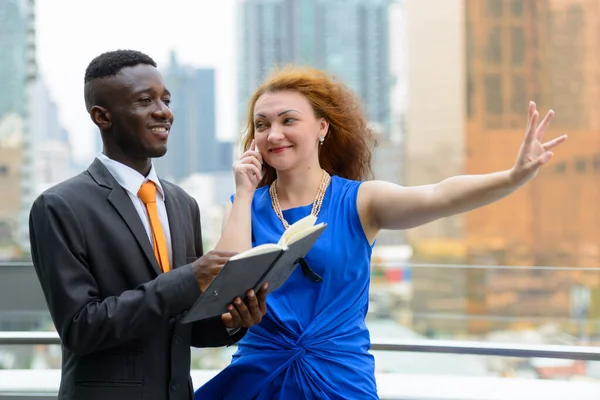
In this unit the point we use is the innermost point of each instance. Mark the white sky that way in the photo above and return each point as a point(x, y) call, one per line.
point(70, 33)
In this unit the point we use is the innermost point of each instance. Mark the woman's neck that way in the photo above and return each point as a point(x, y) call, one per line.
point(298, 187)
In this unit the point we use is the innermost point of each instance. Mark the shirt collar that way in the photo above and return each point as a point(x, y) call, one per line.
point(130, 179)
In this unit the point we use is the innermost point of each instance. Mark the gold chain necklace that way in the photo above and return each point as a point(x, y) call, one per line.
point(317, 203)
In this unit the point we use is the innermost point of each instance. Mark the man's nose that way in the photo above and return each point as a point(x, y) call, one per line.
point(163, 111)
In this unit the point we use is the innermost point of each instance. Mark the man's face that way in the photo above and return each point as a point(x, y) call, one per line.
point(137, 104)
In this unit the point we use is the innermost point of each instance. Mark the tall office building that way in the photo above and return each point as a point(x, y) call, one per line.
point(496, 56)
point(348, 38)
point(27, 187)
point(17, 73)
point(435, 119)
point(13, 55)
point(50, 141)
point(543, 51)
point(193, 145)
point(11, 159)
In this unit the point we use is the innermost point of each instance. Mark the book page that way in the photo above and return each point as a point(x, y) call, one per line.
point(303, 233)
point(261, 249)
point(295, 232)
point(299, 226)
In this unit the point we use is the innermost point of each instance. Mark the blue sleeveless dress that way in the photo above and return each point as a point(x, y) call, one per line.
point(313, 342)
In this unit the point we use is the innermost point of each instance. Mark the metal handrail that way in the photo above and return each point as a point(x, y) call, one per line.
point(29, 264)
point(568, 352)
point(587, 353)
point(29, 338)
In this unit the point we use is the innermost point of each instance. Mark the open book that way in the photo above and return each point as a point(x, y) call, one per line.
point(270, 262)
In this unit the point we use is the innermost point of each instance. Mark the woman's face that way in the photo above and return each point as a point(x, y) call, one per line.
point(286, 130)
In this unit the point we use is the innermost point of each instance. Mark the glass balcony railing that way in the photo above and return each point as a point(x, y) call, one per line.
point(438, 332)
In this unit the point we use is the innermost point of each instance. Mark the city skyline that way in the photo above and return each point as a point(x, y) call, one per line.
point(193, 144)
point(62, 67)
point(308, 33)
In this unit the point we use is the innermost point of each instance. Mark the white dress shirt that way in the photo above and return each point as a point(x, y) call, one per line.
point(132, 181)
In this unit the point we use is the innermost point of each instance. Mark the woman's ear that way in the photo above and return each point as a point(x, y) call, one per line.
point(323, 128)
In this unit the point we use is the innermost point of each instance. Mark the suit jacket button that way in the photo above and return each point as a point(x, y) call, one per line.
point(172, 320)
point(176, 339)
point(174, 387)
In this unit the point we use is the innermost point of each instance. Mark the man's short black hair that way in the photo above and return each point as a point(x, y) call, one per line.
point(111, 62)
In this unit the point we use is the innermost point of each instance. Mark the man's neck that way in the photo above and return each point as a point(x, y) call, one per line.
point(142, 166)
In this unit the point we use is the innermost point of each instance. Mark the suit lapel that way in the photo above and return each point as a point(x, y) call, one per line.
point(174, 208)
point(120, 200)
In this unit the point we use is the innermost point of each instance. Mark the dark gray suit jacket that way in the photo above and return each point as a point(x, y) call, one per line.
point(116, 313)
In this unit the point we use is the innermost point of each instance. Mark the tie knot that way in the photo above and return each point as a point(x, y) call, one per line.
point(147, 192)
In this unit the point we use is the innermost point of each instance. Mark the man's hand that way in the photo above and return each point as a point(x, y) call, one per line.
point(208, 266)
point(242, 315)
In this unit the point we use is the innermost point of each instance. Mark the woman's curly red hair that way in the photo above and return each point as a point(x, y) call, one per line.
point(348, 146)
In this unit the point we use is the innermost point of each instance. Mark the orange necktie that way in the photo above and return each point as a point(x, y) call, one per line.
point(147, 194)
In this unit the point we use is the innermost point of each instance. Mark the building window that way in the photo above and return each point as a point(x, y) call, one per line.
point(580, 165)
point(494, 8)
point(516, 7)
point(518, 95)
point(517, 45)
point(560, 167)
point(493, 94)
point(3, 170)
point(493, 50)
